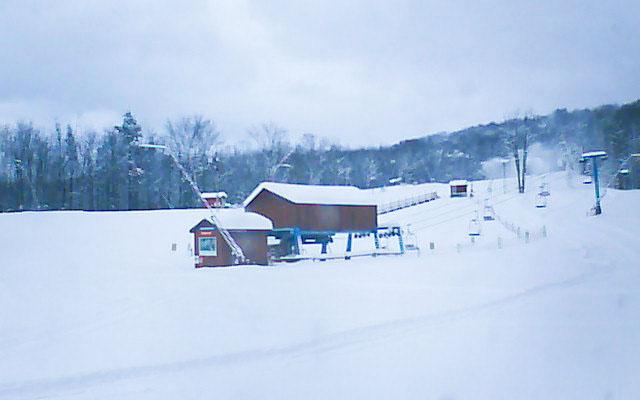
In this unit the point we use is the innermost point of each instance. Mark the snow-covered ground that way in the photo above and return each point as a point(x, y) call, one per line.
point(98, 306)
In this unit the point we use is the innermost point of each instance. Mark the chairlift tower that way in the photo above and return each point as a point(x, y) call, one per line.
point(236, 251)
point(594, 156)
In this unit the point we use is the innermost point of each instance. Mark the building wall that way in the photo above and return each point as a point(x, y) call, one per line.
point(459, 191)
point(215, 202)
point(315, 217)
point(253, 245)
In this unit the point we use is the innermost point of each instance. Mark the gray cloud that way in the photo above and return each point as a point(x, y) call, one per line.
point(364, 72)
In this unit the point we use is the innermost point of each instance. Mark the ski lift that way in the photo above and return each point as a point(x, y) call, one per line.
point(410, 239)
point(474, 227)
point(541, 201)
point(488, 211)
point(544, 188)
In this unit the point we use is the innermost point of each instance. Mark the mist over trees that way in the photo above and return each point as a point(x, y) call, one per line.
point(60, 169)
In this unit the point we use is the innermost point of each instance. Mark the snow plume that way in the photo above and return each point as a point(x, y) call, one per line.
point(492, 168)
point(541, 159)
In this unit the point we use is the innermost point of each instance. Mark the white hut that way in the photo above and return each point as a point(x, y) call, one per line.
point(459, 188)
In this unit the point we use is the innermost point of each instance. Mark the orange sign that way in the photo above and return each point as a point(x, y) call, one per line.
point(206, 233)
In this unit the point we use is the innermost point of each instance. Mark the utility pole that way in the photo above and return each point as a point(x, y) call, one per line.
point(594, 156)
point(525, 152)
point(504, 163)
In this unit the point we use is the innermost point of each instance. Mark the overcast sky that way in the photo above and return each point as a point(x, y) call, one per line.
point(362, 72)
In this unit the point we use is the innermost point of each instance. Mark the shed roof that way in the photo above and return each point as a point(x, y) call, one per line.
point(214, 195)
point(458, 182)
point(314, 194)
point(238, 219)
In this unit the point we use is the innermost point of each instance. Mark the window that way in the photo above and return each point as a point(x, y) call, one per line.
point(208, 246)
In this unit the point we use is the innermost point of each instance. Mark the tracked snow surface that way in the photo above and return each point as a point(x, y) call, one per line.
point(96, 305)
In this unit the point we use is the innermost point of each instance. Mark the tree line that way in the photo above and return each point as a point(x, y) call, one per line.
point(63, 170)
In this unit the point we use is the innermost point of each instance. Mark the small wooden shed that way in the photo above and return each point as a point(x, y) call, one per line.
point(249, 231)
point(459, 188)
point(315, 208)
point(215, 199)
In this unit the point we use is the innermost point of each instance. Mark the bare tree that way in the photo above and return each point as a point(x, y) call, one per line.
point(195, 140)
point(274, 146)
point(525, 151)
point(193, 136)
point(519, 143)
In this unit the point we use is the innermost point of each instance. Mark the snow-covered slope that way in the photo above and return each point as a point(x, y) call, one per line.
point(98, 306)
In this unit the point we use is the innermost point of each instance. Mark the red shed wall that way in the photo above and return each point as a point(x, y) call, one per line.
point(253, 245)
point(215, 202)
point(315, 217)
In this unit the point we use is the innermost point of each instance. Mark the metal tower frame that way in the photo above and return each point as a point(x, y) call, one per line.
point(236, 250)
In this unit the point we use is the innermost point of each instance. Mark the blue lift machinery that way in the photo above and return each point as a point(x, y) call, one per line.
point(287, 243)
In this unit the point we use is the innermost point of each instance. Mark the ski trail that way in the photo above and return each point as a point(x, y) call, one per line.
point(367, 336)
point(12, 345)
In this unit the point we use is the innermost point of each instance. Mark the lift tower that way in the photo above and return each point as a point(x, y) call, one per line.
point(594, 156)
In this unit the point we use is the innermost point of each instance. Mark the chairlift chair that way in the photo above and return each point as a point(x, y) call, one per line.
point(544, 190)
point(488, 212)
point(474, 227)
point(541, 201)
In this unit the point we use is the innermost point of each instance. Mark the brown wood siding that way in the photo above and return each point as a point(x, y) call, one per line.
point(314, 217)
point(253, 245)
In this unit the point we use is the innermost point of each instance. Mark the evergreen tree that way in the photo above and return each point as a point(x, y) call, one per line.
point(71, 168)
point(129, 134)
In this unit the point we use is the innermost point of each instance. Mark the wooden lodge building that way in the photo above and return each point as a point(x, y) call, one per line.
point(312, 213)
point(249, 231)
point(313, 207)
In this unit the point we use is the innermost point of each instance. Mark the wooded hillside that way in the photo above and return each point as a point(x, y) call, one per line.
point(60, 169)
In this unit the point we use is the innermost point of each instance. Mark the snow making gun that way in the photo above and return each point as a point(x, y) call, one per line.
point(236, 251)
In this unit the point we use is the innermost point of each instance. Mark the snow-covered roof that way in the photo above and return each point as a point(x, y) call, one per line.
point(237, 218)
point(314, 194)
point(458, 182)
point(217, 195)
point(594, 154)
